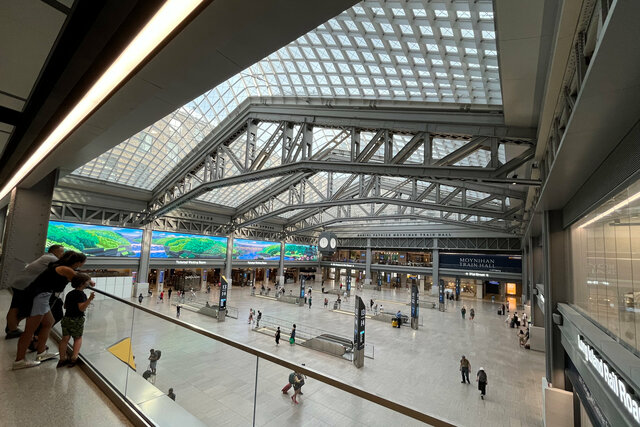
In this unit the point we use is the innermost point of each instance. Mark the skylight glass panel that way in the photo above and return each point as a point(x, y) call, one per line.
point(343, 51)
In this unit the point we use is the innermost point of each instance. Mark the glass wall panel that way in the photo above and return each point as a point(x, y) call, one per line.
point(606, 265)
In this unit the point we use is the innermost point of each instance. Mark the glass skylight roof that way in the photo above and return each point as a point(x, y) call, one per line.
point(419, 50)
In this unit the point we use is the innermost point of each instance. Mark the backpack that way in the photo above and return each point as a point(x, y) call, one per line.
point(292, 377)
point(158, 354)
point(482, 376)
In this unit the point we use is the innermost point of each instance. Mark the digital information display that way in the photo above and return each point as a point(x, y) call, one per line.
point(302, 284)
point(223, 293)
point(256, 250)
point(358, 335)
point(95, 240)
point(166, 244)
point(415, 305)
point(296, 252)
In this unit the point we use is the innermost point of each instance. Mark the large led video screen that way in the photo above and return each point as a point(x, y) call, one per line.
point(296, 252)
point(165, 244)
point(256, 250)
point(95, 240)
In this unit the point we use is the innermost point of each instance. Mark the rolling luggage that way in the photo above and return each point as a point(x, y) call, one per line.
point(394, 323)
point(286, 388)
point(146, 374)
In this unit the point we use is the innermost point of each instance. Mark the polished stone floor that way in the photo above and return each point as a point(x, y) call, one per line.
point(45, 395)
point(417, 368)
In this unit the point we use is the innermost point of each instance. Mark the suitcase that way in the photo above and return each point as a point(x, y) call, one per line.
point(335, 305)
point(394, 323)
point(500, 312)
point(147, 374)
point(286, 388)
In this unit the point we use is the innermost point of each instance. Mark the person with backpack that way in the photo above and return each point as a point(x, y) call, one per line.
point(463, 311)
point(298, 382)
point(481, 378)
point(169, 292)
point(140, 298)
point(292, 380)
point(472, 313)
point(258, 319)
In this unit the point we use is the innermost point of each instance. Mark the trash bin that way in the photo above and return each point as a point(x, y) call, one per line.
point(335, 305)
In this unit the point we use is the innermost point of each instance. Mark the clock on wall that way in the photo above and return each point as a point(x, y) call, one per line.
point(327, 243)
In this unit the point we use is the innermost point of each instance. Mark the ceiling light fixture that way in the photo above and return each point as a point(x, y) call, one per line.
point(609, 211)
point(167, 19)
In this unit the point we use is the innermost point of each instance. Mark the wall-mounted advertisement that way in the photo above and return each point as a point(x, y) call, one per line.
point(165, 244)
point(256, 250)
point(296, 252)
point(95, 240)
point(486, 262)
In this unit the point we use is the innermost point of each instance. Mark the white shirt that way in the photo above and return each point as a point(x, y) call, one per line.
point(33, 270)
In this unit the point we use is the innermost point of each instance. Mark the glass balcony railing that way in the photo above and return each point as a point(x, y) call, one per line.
point(216, 380)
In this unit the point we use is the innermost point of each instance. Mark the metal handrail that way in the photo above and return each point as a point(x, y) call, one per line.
point(329, 380)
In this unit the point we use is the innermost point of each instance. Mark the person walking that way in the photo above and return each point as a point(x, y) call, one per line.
point(399, 318)
point(297, 386)
point(171, 394)
point(153, 361)
point(292, 337)
point(169, 296)
point(371, 304)
point(310, 302)
point(463, 311)
point(178, 310)
point(291, 381)
point(140, 298)
point(472, 313)
point(503, 312)
point(250, 315)
point(465, 367)
point(278, 336)
point(258, 319)
point(326, 302)
point(162, 296)
point(481, 378)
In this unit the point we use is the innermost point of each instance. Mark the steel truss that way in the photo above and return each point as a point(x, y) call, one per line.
point(181, 222)
point(421, 243)
point(291, 155)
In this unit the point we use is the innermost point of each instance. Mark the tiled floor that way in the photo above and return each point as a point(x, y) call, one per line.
point(417, 368)
point(45, 395)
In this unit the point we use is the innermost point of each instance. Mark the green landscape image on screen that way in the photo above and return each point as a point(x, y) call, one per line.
point(193, 246)
point(296, 252)
point(95, 240)
point(255, 250)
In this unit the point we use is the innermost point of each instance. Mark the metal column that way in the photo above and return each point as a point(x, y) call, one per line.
point(228, 267)
point(436, 272)
point(145, 254)
point(367, 271)
point(281, 265)
point(26, 227)
point(556, 289)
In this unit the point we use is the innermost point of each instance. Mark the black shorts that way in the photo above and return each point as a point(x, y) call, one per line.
point(21, 300)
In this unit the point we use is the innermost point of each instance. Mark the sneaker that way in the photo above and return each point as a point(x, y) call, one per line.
point(13, 334)
point(72, 363)
point(46, 356)
point(62, 362)
point(33, 346)
point(21, 364)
